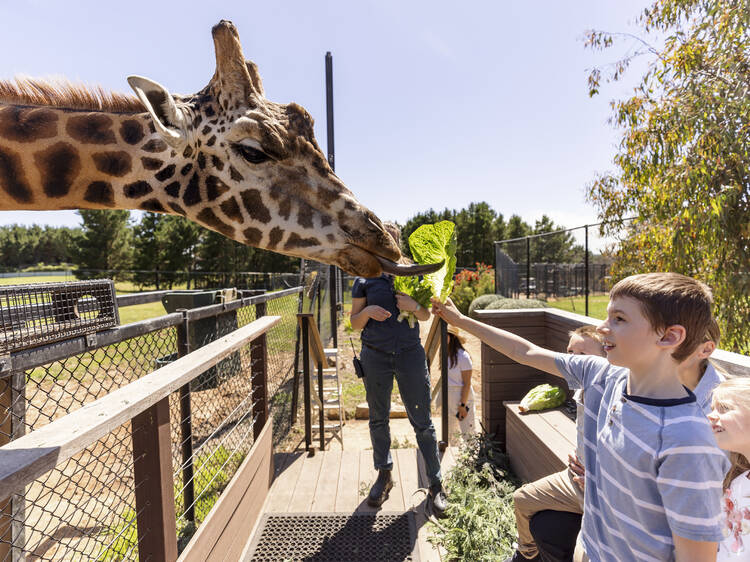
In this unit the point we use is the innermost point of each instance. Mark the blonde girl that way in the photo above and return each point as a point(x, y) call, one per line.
point(730, 421)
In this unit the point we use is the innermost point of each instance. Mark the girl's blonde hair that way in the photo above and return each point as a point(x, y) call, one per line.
point(733, 393)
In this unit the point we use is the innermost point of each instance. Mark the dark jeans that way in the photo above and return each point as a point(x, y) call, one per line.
point(555, 534)
point(410, 369)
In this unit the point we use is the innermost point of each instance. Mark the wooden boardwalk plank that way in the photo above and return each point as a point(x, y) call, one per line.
point(395, 501)
point(328, 480)
point(367, 476)
point(283, 486)
point(304, 491)
point(347, 495)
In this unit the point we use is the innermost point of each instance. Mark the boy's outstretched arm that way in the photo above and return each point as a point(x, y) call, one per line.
point(686, 550)
point(520, 350)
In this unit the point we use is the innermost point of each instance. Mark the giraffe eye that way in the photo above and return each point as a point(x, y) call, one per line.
point(252, 155)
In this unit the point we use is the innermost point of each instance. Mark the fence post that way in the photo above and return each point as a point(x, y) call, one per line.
point(586, 267)
point(332, 305)
point(444, 385)
point(186, 423)
point(306, 380)
point(259, 376)
point(154, 486)
point(528, 267)
point(12, 510)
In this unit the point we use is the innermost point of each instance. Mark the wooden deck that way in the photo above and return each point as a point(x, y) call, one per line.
point(338, 481)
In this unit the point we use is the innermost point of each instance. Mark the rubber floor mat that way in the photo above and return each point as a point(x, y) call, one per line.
point(335, 537)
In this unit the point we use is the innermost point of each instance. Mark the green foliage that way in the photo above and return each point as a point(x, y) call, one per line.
point(482, 302)
point(480, 522)
point(105, 242)
point(430, 243)
point(23, 247)
point(123, 537)
point(683, 166)
point(468, 285)
point(510, 304)
point(542, 397)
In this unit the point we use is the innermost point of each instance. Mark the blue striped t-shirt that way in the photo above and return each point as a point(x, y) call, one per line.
point(653, 468)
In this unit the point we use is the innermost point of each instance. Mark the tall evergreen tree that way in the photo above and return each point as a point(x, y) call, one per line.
point(105, 243)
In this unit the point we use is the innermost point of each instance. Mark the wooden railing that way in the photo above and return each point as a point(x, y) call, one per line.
point(313, 355)
point(145, 403)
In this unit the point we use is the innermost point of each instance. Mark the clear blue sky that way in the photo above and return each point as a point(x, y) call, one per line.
point(437, 104)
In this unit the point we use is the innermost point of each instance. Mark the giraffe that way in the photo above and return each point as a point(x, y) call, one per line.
point(225, 157)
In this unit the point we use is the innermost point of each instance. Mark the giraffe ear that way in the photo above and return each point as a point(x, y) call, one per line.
point(168, 118)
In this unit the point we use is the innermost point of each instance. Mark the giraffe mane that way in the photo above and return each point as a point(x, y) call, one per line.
point(63, 94)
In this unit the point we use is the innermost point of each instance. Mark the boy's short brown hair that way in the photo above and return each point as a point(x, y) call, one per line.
point(668, 299)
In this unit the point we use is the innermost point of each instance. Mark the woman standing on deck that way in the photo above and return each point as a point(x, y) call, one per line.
point(391, 348)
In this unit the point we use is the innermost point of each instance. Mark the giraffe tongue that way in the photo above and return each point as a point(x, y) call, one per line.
point(406, 270)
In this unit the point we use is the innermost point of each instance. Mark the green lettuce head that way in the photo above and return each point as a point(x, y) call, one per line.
point(430, 243)
point(542, 397)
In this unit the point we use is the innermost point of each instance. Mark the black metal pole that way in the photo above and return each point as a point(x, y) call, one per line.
point(444, 384)
point(586, 268)
point(322, 417)
point(306, 383)
point(332, 164)
point(528, 267)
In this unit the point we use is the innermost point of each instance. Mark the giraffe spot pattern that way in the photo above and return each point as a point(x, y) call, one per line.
point(236, 176)
point(176, 208)
point(305, 215)
point(100, 192)
point(254, 206)
point(166, 173)
point(215, 188)
point(252, 236)
point(285, 208)
point(116, 163)
point(325, 220)
point(231, 209)
point(217, 163)
point(155, 145)
point(27, 124)
point(58, 167)
point(12, 178)
point(173, 189)
point(201, 160)
point(153, 205)
point(92, 128)
point(211, 141)
point(275, 237)
point(206, 130)
point(295, 241)
point(192, 195)
point(209, 111)
point(137, 189)
point(188, 152)
point(209, 218)
point(151, 163)
point(131, 131)
point(186, 169)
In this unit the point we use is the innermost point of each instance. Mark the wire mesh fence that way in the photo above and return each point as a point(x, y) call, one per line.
point(567, 263)
point(85, 507)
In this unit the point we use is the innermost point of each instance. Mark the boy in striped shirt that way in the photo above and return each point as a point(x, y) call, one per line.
point(653, 470)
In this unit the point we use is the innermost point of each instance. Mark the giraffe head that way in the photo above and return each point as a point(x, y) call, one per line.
point(255, 173)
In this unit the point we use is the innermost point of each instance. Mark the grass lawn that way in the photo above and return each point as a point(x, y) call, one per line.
point(597, 305)
point(130, 314)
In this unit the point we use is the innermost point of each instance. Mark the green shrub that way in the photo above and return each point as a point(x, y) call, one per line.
point(469, 285)
point(480, 522)
point(482, 302)
point(504, 304)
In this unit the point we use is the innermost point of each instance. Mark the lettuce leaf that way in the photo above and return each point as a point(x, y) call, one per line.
point(430, 243)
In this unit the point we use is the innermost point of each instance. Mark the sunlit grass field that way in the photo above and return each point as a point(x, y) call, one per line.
point(597, 305)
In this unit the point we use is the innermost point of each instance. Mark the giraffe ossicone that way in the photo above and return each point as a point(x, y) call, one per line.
point(225, 157)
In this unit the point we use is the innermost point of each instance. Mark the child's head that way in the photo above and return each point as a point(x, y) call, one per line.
point(730, 421)
point(692, 368)
point(585, 340)
point(456, 341)
point(675, 307)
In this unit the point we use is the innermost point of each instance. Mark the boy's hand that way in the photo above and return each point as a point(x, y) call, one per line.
point(575, 466)
point(378, 313)
point(446, 310)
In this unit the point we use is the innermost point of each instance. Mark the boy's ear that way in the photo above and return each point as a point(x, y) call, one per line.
point(673, 336)
point(706, 349)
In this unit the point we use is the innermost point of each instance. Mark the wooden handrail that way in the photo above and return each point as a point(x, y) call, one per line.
point(29, 457)
point(432, 341)
point(316, 344)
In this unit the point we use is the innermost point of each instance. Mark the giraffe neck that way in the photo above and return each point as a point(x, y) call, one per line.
point(53, 158)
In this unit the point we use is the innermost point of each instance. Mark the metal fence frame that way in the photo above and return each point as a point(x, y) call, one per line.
point(22, 378)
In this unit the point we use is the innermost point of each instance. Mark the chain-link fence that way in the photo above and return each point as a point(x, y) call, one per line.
point(569, 263)
point(85, 507)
